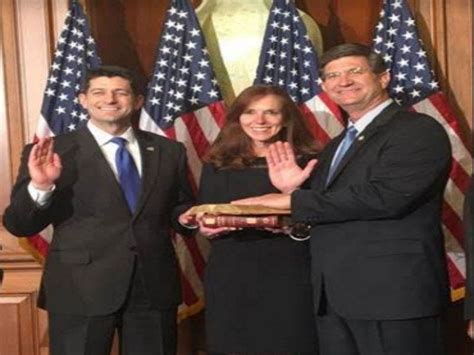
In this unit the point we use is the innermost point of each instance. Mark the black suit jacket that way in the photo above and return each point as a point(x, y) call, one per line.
point(96, 239)
point(469, 246)
point(376, 240)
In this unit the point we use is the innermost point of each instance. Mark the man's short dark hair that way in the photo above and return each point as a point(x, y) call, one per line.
point(111, 71)
point(376, 62)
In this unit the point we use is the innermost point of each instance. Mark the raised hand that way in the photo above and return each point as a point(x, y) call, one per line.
point(284, 172)
point(44, 166)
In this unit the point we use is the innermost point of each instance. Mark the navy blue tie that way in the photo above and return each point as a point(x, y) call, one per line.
point(351, 134)
point(127, 173)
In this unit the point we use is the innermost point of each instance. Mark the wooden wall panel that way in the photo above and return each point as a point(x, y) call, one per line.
point(443, 26)
point(459, 62)
point(22, 324)
point(34, 60)
point(11, 119)
point(127, 34)
point(11, 109)
point(344, 21)
point(16, 323)
point(5, 152)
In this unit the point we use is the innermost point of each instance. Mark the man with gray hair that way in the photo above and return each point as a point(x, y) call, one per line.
point(374, 208)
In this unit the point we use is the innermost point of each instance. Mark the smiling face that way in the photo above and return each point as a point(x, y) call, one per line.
point(110, 102)
point(351, 83)
point(262, 120)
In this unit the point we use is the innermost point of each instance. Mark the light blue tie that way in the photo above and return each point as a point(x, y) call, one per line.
point(351, 134)
point(127, 172)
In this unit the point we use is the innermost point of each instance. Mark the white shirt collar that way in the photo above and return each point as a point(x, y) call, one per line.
point(103, 137)
point(368, 117)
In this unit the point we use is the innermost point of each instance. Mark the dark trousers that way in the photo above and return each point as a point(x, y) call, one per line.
point(337, 335)
point(141, 330)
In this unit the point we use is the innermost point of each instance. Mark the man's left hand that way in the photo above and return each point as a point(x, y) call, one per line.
point(280, 201)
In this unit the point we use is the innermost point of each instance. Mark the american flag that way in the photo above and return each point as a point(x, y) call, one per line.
point(288, 60)
point(184, 103)
point(60, 110)
point(414, 85)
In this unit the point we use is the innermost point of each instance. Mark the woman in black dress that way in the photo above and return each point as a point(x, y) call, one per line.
point(257, 285)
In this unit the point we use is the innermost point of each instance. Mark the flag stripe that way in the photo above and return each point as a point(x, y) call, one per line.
point(148, 124)
point(455, 277)
point(439, 101)
point(454, 197)
point(332, 107)
point(329, 121)
point(198, 260)
point(314, 124)
point(198, 138)
point(460, 152)
point(203, 245)
point(208, 122)
point(42, 129)
point(453, 223)
point(192, 275)
point(194, 161)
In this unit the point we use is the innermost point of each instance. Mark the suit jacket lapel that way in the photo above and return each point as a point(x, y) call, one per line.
point(93, 158)
point(383, 118)
point(151, 157)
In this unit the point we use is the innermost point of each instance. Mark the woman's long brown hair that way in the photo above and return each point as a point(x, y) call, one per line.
point(233, 148)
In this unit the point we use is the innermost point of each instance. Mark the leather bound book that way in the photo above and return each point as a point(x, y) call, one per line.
point(228, 209)
point(256, 221)
point(227, 215)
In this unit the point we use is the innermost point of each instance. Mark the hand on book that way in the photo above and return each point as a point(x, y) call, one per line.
point(210, 232)
point(280, 201)
point(188, 220)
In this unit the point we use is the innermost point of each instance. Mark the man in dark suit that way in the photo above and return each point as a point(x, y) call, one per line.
point(112, 193)
point(378, 264)
point(469, 242)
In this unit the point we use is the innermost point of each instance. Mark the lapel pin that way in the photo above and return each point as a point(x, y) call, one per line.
point(360, 138)
point(151, 149)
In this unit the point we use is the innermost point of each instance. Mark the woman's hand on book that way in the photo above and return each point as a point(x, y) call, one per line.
point(210, 232)
point(188, 220)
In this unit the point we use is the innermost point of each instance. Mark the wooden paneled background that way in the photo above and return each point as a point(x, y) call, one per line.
point(127, 32)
